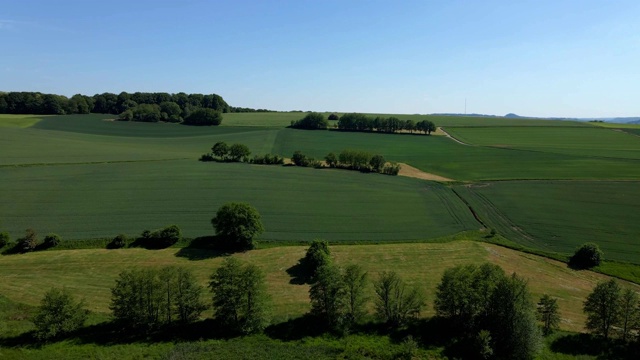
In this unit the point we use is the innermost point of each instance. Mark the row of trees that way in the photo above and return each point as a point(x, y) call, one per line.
point(106, 103)
point(361, 122)
point(171, 112)
point(612, 310)
point(29, 242)
point(351, 160)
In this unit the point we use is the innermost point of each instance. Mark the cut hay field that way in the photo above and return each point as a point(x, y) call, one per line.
point(558, 216)
point(91, 273)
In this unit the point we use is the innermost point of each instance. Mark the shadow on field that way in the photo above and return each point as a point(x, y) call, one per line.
point(202, 248)
point(299, 273)
point(586, 344)
point(112, 333)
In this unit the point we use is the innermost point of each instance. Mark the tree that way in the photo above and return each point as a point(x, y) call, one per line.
point(220, 149)
point(171, 110)
point(511, 320)
point(203, 117)
point(58, 314)
point(603, 308)
point(149, 298)
point(237, 224)
point(548, 314)
point(239, 296)
point(118, 242)
point(239, 152)
point(586, 256)
point(333, 117)
point(328, 296)
point(317, 255)
point(629, 313)
point(395, 301)
point(299, 159)
point(355, 282)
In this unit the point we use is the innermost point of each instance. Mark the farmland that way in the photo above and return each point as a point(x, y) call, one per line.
point(144, 176)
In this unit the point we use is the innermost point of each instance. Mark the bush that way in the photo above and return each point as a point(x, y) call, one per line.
point(586, 256)
point(299, 159)
point(163, 238)
point(267, 159)
point(312, 121)
point(5, 239)
point(52, 240)
point(58, 314)
point(331, 159)
point(239, 152)
point(118, 242)
point(333, 117)
point(206, 157)
point(29, 242)
point(391, 169)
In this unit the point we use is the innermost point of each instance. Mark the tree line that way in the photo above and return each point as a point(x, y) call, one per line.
point(105, 103)
point(363, 123)
point(358, 160)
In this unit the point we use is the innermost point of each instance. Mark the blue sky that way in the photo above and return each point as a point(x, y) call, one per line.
point(538, 58)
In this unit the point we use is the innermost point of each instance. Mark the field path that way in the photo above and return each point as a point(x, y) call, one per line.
point(452, 138)
point(410, 171)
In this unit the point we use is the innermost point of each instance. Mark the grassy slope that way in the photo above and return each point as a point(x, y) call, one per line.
point(559, 216)
point(19, 121)
point(90, 273)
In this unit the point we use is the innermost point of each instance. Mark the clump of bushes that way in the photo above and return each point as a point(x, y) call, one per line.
point(52, 240)
point(161, 238)
point(267, 159)
point(118, 242)
point(312, 121)
point(29, 242)
point(221, 152)
point(349, 159)
point(5, 239)
point(586, 256)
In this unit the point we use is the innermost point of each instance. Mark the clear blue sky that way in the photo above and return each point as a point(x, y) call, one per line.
point(576, 58)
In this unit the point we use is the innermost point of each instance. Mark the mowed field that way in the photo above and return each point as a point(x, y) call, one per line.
point(91, 273)
point(86, 177)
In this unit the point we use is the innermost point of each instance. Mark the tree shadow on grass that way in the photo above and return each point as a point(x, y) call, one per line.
point(298, 328)
point(113, 333)
point(202, 248)
point(586, 344)
point(299, 273)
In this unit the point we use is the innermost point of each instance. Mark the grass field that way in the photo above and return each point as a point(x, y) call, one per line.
point(558, 216)
point(19, 121)
point(91, 273)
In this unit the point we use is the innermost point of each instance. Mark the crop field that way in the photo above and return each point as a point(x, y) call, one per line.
point(89, 201)
point(558, 216)
point(588, 142)
point(91, 273)
point(84, 177)
point(442, 156)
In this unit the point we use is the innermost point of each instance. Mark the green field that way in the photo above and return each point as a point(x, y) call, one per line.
point(558, 216)
point(587, 142)
point(84, 177)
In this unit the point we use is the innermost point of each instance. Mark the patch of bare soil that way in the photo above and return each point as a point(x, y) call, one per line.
point(410, 171)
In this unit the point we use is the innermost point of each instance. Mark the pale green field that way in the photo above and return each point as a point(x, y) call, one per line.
point(19, 121)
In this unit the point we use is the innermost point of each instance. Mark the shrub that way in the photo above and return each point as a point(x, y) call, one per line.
point(377, 163)
point(206, 157)
point(312, 121)
point(267, 159)
point(52, 240)
point(239, 152)
point(118, 242)
point(5, 239)
point(29, 242)
point(391, 169)
point(204, 117)
point(331, 159)
point(333, 117)
point(586, 256)
point(166, 237)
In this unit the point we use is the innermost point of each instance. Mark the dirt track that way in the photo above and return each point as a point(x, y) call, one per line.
point(410, 171)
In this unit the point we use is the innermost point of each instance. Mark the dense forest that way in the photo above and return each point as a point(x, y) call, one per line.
point(171, 105)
